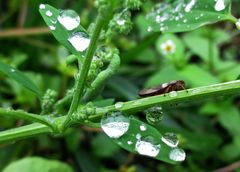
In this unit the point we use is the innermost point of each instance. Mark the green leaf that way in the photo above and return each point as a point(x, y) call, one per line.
point(36, 164)
point(19, 77)
point(186, 15)
point(143, 139)
point(50, 16)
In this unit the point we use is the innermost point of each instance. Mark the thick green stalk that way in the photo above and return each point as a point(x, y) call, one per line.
point(20, 114)
point(81, 79)
point(184, 96)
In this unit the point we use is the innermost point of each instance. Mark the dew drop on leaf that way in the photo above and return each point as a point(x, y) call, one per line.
point(42, 6)
point(49, 13)
point(190, 5)
point(69, 19)
point(118, 105)
point(51, 27)
point(147, 147)
point(177, 154)
point(173, 94)
point(154, 115)
point(79, 41)
point(220, 5)
point(115, 124)
point(143, 127)
point(120, 21)
point(170, 139)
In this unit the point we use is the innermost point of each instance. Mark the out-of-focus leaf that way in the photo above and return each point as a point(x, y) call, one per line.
point(185, 15)
point(19, 77)
point(36, 164)
point(103, 146)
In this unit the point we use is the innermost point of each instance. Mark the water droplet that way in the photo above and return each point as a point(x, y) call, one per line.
point(201, 14)
point(173, 94)
point(42, 6)
point(190, 5)
point(170, 139)
point(185, 21)
point(154, 115)
point(52, 27)
point(177, 154)
point(53, 21)
point(69, 19)
point(79, 41)
point(129, 142)
point(149, 29)
point(49, 13)
point(147, 147)
point(121, 22)
point(13, 70)
point(118, 105)
point(138, 136)
point(238, 24)
point(143, 127)
point(220, 5)
point(114, 124)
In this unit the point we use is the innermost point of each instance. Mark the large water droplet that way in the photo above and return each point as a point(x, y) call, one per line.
point(114, 124)
point(118, 105)
point(177, 154)
point(79, 41)
point(154, 115)
point(42, 6)
point(147, 147)
point(69, 19)
point(190, 5)
point(170, 139)
point(220, 5)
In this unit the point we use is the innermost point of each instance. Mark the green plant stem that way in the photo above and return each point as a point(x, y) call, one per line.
point(80, 82)
point(184, 96)
point(98, 83)
point(20, 114)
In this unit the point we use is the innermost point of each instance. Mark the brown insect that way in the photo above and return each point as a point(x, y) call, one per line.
point(163, 88)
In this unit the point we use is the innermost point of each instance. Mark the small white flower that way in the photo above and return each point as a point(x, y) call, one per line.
point(168, 47)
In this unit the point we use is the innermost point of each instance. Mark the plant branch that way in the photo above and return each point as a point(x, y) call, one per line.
point(81, 79)
point(189, 95)
point(20, 114)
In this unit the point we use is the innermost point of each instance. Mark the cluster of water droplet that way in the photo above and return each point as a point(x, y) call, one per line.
point(177, 12)
point(70, 20)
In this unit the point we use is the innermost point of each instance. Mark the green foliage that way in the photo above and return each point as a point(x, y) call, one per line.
point(33, 164)
point(82, 79)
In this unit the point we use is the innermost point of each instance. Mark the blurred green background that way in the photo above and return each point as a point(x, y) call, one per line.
point(209, 131)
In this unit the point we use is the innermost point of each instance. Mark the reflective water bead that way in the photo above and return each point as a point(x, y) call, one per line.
point(69, 19)
point(177, 154)
point(147, 147)
point(173, 94)
point(129, 142)
point(170, 139)
point(13, 70)
point(121, 22)
point(220, 5)
point(118, 105)
point(49, 13)
point(138, 136)
point(42, 6)
point(79, 41)
point(154, 115)
point(190, 5)
point(114, 124)
point(52, 27)
point(143, 127)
